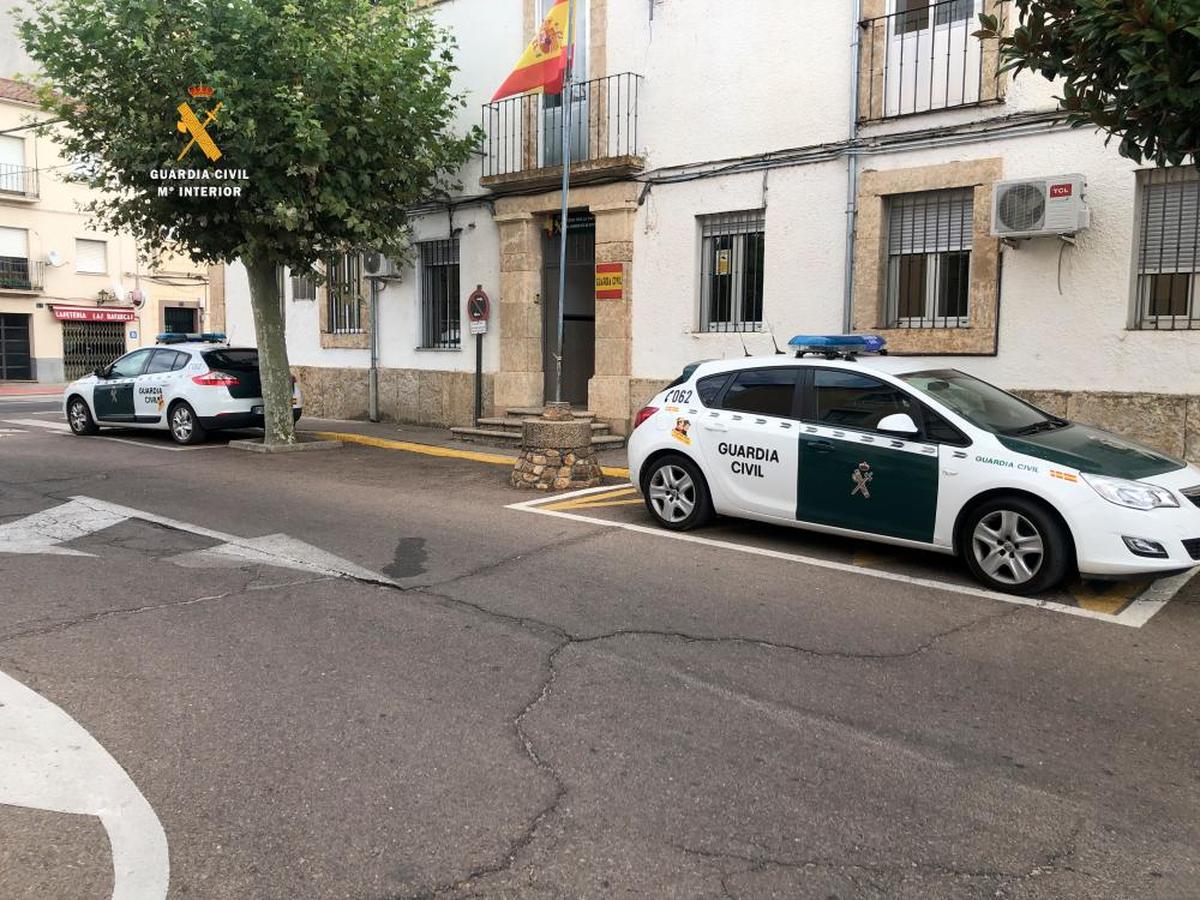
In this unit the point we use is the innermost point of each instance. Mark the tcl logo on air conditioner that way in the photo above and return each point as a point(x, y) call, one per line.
point(1039, 207)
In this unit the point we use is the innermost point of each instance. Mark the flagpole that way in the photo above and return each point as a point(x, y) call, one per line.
point(566, 186)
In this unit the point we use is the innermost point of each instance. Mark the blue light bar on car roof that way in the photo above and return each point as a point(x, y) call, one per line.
point(179, 337)
point(838, 344)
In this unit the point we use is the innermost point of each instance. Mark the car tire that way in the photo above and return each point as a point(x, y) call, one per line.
point(1015, 545)
point(184, 426)
point(676, 493)
point(79, 417)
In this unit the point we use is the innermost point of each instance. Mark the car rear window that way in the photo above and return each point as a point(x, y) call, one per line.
point(232, 359)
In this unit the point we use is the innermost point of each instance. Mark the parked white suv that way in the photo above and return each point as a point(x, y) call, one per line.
point(188, 384)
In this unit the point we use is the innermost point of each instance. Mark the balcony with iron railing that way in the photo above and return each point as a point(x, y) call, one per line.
point(924, 58)
point(18, 182)
point(523, 136)
point(20, 275)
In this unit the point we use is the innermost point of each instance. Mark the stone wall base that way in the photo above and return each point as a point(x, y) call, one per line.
point(413, 396)
point(1166, 422)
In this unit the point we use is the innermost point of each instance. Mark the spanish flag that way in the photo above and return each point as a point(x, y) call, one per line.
point(544, 61)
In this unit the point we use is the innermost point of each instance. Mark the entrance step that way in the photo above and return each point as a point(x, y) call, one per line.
point(513, 423)
point(526, 411)
point(511, 437)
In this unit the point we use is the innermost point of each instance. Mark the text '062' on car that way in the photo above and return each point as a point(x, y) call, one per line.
point(190, 384)
point(847, 440)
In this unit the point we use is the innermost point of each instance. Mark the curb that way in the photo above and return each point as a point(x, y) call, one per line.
point(496, 459)
point(256, 446)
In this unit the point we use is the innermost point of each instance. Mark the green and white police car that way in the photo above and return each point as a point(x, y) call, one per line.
point(847, 440)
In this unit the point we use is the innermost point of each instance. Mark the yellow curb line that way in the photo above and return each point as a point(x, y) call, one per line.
point(495, 459)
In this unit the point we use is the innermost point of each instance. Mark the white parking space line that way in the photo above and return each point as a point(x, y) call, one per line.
point(1135, 615)
point(40, 423)
point(149, 442)
point(50, 762)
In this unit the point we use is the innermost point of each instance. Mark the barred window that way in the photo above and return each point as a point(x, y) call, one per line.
point(343, 274)
point(914, 14)
point(439, 295)
point(304, 285)
point(929, 258)
point(1168, 258)
point(731, 271)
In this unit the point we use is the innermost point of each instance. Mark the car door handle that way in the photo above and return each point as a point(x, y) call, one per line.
point(714, 426)
point(821, 446)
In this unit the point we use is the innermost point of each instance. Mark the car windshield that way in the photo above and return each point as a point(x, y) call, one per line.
point(981, 404)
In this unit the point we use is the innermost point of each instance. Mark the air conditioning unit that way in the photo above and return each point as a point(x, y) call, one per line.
point(1039, 207)
point(376, 265)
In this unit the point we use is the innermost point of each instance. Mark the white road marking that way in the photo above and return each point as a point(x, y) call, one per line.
point(147, 444)
point(44, 531)
point(51, 763)
point(40, 423)
point(1135, 615)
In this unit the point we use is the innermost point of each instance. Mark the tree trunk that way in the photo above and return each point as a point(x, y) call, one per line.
point(278, 427)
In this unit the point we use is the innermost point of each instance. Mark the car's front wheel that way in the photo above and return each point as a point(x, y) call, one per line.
point(676, 493)
point(1014, 545)
point(185, 427)
point(79, 417)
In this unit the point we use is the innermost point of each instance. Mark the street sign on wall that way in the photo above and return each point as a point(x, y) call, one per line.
point(610, 281)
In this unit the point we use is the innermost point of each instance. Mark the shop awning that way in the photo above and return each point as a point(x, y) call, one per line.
point(94, 313)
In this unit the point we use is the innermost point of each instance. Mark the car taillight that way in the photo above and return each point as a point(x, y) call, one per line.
point(643, 414)
point(216, 379)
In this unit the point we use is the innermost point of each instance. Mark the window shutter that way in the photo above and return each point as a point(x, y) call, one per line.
point(1170, 226)
point(91, 256)
point(14, 242)
point(930, 222)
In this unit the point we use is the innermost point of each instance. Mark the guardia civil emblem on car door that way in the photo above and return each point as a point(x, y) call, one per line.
point(861, 476)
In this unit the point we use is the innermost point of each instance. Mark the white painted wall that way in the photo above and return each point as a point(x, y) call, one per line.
point(1074, 340)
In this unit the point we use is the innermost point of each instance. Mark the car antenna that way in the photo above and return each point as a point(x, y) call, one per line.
point(745, 349)
point(774, 343)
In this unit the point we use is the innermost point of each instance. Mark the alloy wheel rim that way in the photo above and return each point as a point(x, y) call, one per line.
point(181, 424)
point(1008, 547)
point(672, 493)
point(78, 416)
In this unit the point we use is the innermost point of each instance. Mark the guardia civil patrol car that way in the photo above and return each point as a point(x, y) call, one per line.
point(190, 384)
point(847, 440)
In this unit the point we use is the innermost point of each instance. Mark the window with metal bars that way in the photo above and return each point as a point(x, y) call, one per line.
point(731, 271)
point(343, 279)
point(439, 295)
point(1168, 253)
point(929, 258)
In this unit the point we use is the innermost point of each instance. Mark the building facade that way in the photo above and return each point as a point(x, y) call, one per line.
point(72, 298)
point(745, 172)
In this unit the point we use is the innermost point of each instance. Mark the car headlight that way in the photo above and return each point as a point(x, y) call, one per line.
point(1133, 494)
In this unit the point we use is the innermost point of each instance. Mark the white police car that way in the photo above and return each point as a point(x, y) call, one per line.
point(188, 384)
point(898, 450)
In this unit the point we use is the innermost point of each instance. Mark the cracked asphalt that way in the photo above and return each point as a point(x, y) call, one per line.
point(533, 707)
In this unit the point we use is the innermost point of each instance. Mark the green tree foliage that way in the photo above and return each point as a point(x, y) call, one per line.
point(1129, 67)
point(341, 112)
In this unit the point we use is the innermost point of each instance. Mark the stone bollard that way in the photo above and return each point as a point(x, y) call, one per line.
point(556, 452)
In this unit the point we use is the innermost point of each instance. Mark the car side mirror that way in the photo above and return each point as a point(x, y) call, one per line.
point(899, 424)
point(101, 372)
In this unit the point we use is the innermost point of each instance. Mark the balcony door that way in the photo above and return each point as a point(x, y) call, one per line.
point(14, 259)
point(552, 104)
point(933, 62)
point(12, 164)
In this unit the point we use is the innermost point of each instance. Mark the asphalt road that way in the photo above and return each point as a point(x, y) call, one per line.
point(516, 705)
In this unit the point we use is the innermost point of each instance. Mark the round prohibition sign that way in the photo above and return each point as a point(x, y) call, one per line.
point(478, 305)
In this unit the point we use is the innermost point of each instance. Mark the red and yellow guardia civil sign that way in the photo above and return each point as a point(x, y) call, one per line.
point(197, 129)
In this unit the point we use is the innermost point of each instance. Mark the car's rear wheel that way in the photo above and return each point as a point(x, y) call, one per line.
point(79, 417)
point(1014, 545)
point(676, 493)
point(185, 427)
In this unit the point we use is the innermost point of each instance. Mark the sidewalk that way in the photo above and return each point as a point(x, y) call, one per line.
point(392, 436)
point(30, 389)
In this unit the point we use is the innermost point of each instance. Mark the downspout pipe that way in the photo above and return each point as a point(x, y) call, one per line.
point(852, 167)
point(373, 385)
